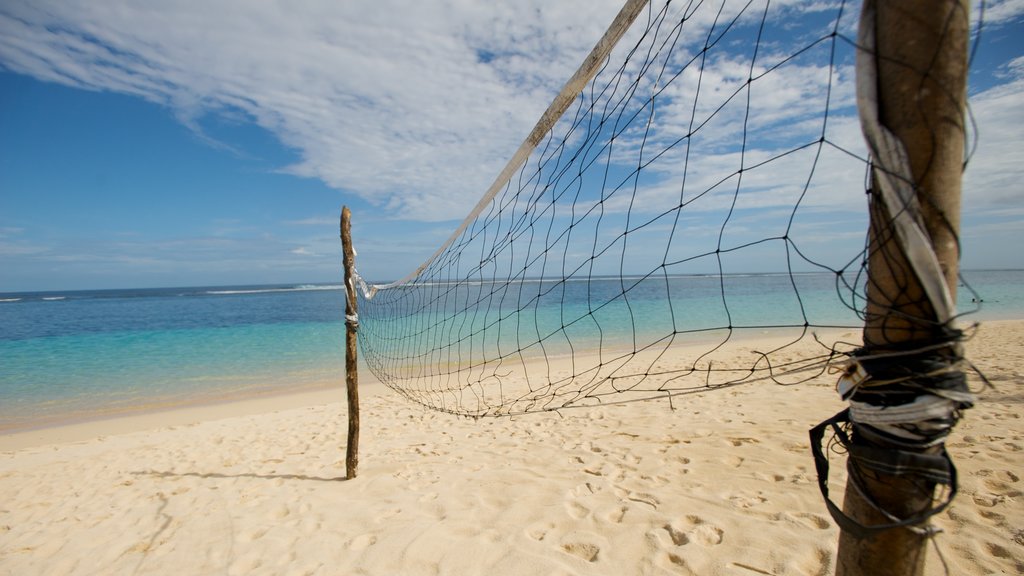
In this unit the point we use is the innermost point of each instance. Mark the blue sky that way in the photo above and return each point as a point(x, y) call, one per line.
point(214, 143)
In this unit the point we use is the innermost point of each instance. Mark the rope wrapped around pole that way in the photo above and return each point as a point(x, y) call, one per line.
point(905, 387)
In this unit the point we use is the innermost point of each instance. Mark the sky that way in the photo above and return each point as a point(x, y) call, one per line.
point(180, 143)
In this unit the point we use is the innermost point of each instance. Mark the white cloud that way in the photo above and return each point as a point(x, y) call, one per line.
point(995, 172)
point(13, 243)
point(20, 249)
point(414, 106)
point(317, 221)
point(9, 231)
point(1001, 11)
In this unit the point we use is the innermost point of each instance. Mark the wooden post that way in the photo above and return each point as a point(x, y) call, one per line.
point(351, 323)
point(921, 61)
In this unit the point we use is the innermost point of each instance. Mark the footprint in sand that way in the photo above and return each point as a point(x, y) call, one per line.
point(818, 563)
point(641, 497)
point(708, 535)
point(999, 485)
point(742, 441)
point(694, 529)
point(678, 537)
point(388, 514)
point(576, 510)
point(998, 551)
point(815, 520)
point(734, 461)
point(362, 542)
point(584, 550)
point(747, 501)
point(585, 489)
point(796, 447)
point(616, 515)
point(656, 479)
point(680, 563)
point(990, 515)
point(539, 532)
point(630, 459)
point(252, 535)
point(988, 500)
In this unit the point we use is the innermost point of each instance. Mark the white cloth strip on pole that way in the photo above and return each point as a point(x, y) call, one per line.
point(368, 291)
point(558, 106)
point(895, 178)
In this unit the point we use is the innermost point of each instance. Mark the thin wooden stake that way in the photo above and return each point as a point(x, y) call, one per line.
point(921, 62)
point(351, 323)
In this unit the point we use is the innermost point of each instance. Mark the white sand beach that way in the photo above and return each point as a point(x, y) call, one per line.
point(722, 485)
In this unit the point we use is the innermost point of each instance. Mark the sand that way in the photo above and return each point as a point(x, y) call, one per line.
point(724, 484)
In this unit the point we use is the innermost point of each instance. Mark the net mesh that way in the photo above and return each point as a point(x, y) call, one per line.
point(705, 188)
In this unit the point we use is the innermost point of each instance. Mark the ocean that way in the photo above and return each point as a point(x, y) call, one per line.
point(82, 355)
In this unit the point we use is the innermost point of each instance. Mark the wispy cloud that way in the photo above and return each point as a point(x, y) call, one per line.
point(998, 12)
point(318, 221)
point(92, 261)
point(412, 106)
point(9, 231)
point(995, 171)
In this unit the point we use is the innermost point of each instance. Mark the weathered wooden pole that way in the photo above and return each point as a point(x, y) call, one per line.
point(920, 60)
point(351, 324)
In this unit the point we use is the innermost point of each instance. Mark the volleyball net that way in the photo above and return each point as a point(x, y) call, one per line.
point(700, 181)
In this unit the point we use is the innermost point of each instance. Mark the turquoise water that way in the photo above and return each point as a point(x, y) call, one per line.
point(90, 354)
point(469, 322)
point(81, 355)
point(424, 331)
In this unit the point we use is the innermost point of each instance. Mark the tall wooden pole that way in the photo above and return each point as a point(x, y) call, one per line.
point(921, 62)
point(351, 323)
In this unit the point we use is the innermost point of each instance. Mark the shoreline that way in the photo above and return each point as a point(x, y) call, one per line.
point(87, 428)
point(78, 428)
point(285, 386)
